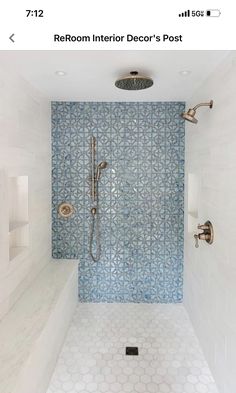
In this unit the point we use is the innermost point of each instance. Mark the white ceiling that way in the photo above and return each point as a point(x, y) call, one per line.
point(91, 74)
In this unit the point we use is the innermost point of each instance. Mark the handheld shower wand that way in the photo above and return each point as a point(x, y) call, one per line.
point(100, 166)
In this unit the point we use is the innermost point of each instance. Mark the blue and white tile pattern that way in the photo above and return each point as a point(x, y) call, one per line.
point(141, 197)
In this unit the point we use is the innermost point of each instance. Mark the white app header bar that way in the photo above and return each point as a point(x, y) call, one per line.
point(113, 25)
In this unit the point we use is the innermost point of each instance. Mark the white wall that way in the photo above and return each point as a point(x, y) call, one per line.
point(210, 271)
point(24, 150)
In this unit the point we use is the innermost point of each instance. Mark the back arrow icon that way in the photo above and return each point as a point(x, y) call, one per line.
point(11, 37)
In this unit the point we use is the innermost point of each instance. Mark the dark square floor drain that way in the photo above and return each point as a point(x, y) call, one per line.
point(133, 351)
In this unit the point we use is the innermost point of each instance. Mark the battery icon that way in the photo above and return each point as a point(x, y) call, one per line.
point(213, 13)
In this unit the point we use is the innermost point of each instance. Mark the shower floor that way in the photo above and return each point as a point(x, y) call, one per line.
point(93, 357)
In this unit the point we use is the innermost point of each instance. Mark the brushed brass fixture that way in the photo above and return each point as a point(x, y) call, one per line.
point(93, 183)
point(207, 234)
point(65, 210)
point(96, 171)
point(190, 115)
point(101, 165)
point(134, 81)
point(93, 211)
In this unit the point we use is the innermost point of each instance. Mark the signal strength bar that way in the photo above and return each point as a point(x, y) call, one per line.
point(185, 14)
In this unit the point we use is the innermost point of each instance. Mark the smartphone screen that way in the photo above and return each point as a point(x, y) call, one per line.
point(117, 196)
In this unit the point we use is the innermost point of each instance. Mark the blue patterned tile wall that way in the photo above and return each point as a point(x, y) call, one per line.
point(141, 197)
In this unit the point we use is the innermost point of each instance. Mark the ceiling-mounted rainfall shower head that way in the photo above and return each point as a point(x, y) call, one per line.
point(100, 166)
point(190, 115)
point(134, 82)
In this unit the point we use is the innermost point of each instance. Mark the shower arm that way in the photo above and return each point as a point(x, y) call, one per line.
point(203, 104)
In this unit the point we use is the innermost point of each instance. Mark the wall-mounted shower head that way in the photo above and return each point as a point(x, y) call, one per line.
point(190, 115)
point(100, 166)
point(134, 81)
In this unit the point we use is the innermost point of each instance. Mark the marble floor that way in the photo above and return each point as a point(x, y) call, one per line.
point(93, 357)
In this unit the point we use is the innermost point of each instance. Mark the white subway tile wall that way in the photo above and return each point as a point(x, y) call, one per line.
point(24, 151)
point(210, 271)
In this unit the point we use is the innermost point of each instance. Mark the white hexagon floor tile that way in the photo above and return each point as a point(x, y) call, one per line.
point(93, 357)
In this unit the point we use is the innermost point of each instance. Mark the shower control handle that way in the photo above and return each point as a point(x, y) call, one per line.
point(196, 240)
point(203, 227)
point(207, 234)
